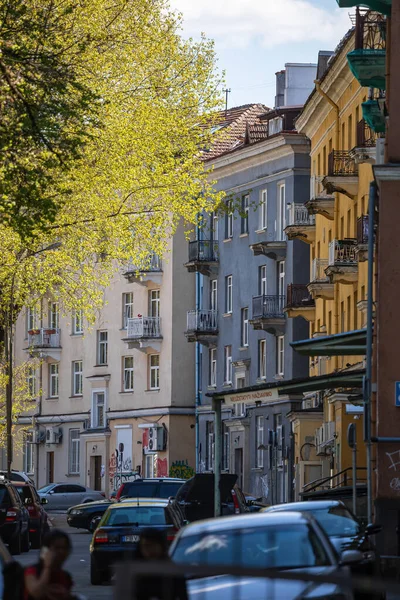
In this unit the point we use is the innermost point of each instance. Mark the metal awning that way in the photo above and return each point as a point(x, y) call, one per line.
point(351, 343)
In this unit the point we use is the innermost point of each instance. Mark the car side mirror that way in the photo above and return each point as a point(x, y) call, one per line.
point(44, 501)
point(349, 557)
point(51, 492)
point(28, 500)
point(373, 528)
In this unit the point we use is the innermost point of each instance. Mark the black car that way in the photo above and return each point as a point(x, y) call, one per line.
point(196, 497)
point(38, 521)
point(14, 519)
point(163, 487)
point(88, 515)
point(117, 535)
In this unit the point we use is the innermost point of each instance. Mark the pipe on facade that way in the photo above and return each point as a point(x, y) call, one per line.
point(385, 440)
point(197, 384)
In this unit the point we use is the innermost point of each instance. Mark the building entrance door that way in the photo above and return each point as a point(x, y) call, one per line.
point(239, 466)
point(95, 473)
point(50, 467)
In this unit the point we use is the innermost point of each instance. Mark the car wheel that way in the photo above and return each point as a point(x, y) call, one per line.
point(94, 521)
point(96, 576)
point(26, 545)
point(15, 545)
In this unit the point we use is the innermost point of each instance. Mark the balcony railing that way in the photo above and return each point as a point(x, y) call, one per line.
point(203, 251)
point(366, 138)
point(44, 338)
point(152, 264)
point(268, 307)
point(297, 295)
point(318, 267)
point(362, 230)
point(342, 252)
point(202, 321)
point(298, 215)
point(340, 164)
point(144, 327)
point(370, 30)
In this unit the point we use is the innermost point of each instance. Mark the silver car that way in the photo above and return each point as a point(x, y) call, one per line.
point(284, 541)
point(61, 496)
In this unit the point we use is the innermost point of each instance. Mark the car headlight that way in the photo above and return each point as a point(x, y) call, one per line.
point(76, 511)
point(370, 555)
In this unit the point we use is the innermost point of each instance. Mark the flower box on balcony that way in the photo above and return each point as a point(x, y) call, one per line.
point(34, 331)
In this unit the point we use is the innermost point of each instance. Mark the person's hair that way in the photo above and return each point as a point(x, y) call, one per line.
point(53, 535)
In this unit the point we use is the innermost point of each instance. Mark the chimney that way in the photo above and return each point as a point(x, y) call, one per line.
point(280, 88)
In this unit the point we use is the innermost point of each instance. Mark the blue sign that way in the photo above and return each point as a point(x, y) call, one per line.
point(397, 393)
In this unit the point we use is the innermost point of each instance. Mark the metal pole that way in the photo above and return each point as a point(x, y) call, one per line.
point(9, 391)
point(368, 368)
point(217, 456)
point(354, 456)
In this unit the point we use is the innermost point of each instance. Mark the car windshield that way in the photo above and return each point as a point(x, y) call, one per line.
point(46, 488)
point(24, 492)
point(275, 546)
point(143, 489)
point(337, 521)
point(137, 515)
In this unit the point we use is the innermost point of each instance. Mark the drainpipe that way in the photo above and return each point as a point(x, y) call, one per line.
point(197, 376)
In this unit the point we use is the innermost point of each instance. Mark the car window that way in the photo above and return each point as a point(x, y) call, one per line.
point(4, 495)
point(337, 521)
point(61, 489)
point(14, 495)
point(168, 489)
point(280, 546)
point(46, 488)
point(25, 492)
point(137, 515)
point(144, 489)
point(73, 489)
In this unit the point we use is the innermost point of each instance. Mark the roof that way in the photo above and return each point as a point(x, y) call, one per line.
point(132, 503)
point(306, 506)
point(339, 344)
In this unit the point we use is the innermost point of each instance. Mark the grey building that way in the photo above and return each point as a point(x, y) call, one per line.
point(248, 273)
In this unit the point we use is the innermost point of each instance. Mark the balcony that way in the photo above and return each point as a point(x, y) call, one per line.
point(320, 285)
point(365, 149)
point(325, 438)
point(299, 302)
point(44, 342)
point(362, 238)
point(374, 112)
point(342, 174)
point(202, 326)
point(268, 313)
point(342, 265)
point(144, 333)
point(380, 6)
point(367, 61)
point(203, 257)
point(320, 203)
point(150, 270)
point(301, 224)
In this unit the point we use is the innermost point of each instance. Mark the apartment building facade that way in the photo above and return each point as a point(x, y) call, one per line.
point(117, 399)
point(243, 262)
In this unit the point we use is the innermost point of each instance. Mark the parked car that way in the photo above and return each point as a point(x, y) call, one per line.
point(38, 521)
point(287, 541)
point(88, 515)
point(16, 476)
point(118, 532)
point(162, 487)
point(344, 532)
point(14, 519)
point(196, 497)
point(64, 495)
point(254, 504)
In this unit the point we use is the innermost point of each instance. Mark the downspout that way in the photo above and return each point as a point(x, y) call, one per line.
point(197, 383)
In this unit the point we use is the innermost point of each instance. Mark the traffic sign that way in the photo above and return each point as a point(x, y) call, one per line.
point(397, 393)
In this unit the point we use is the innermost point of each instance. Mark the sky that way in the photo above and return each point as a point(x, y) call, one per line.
point(255, 38)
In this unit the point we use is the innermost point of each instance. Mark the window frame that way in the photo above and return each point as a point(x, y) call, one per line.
point(31, 380)
point(54, 315)
point(229, 221)
point(29, 466)
point(54, 376)
point(77, 376)
point(263, 220)
point(154, 369)
point(74, 448)
point(259, 441)
point(262, 280)
point(127, 308)
point(244, 327)
point(128, 372)
point(280, 355)
point(214, 294)
point(32, 318)
point(262, 359)
point(228, 365)
point(225, 447)
point(75, 321)
point(102, 347)
point(154, 303)
point(212, 362)
point(210, 447)
point(244, 225)
point(94, 420)
point(229, 294)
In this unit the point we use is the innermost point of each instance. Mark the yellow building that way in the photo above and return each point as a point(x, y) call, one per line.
point(343, 150)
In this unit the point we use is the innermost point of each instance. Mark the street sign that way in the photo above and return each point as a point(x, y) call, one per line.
point(397, 393)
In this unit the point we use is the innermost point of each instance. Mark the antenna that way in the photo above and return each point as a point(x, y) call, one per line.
point(227, 91)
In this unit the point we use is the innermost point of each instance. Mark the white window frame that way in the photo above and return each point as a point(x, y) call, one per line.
point(281, 277)
point(228, 364)
point(102, 346)
point(154, 372)
point(74, 452)
point(210, 456)
point(32, 318)
point(245, 327)
point(229, 221)
point(127, 308)
point(225, 447)
point(242, 380)
point(54, 315)
point(245, 214)
point(95, 422)
point(214, 226)
point(31, 380)
point(128, 373)
point(281, 212)
point(212, 367)
point(29, 467)
point(154, 303)
point(262, 277)
point(229, 294)
point(259, 441)
point(77, 322)
point(54, 380)
point(149, 465)
point(262, 359)
point(280, 355)
point(263, 210)
point(214, 294)
point(77, 378)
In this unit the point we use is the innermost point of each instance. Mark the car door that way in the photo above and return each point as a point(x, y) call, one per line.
point(57, 497)
point(75, 494)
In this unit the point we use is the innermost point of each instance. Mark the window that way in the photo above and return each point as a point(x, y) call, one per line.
point(281, 213)
point(262, 280)
point(54, 315)
point(225, 447)
point(228, 364)
point(245, 214)
point(213, 294)
point(280, 354)
point(28, 453)
point(150, 465)
point(228, 221)
point(281, 278)
point(98, 410)
point(154, 362)
point(32, 318)
point(214, 226)
point(102, 347)
point(240, 383)
point(74, 448)
point(263, 210)
point(154, 303)
point(210, 446)
point(127, 308)
point(259, 441)
point(128, 373)
point(245, 327)
point(77, 322)
point(262, 359)
point(228, 294)
point(77, 378)
point(31, 383)
point(53, 380)
point(213, 367)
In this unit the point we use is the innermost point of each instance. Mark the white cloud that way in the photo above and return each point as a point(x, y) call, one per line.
point(236, 23)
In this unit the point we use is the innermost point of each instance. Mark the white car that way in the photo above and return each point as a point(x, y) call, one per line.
point(19, 476)
point(61, 496)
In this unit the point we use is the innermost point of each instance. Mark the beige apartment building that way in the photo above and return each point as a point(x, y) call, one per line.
point(117, 398)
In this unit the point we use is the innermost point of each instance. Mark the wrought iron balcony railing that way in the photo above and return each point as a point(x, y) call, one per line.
point(203, 251)
point(297, 295)
point(299, 215)
point(202, 321)
point(362, 230)
point(152, 264)
point(342, 252)
point(366, 138)
point(370, 30)
point(318, 267)
point(44, 338)
point(268, 307)
point(340, 164)
point(144, 327)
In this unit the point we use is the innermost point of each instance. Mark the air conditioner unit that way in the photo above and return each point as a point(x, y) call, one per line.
point(152, 444)
point(53, 435)
point(86, 424)
point(39, 436)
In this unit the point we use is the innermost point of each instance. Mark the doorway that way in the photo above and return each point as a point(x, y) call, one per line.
point(239, 466)
point(95, 473)
point(50, 467)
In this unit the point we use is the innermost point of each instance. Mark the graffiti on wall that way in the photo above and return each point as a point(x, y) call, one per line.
point(162, 467)
point(181, 469)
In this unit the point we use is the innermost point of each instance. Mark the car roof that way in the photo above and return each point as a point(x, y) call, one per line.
point(158, 479)
point(304, 506)
point(132, 502)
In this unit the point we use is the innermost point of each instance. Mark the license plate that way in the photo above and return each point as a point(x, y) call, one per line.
point(130, 538)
